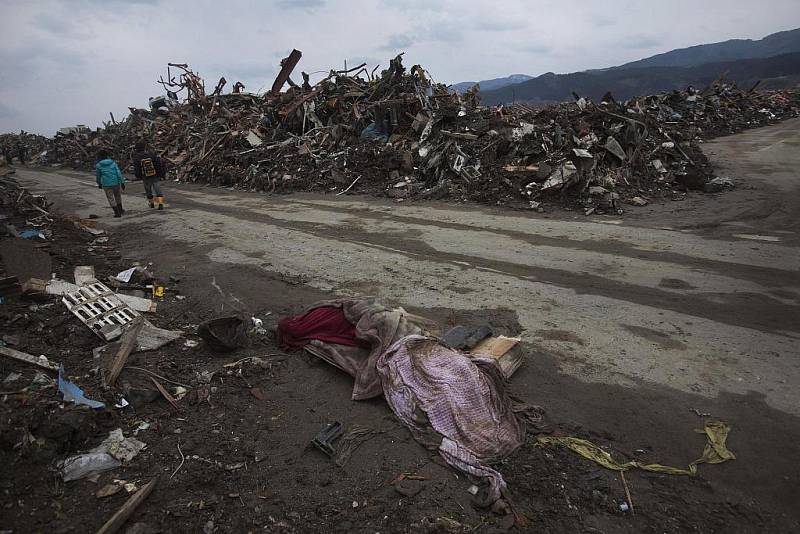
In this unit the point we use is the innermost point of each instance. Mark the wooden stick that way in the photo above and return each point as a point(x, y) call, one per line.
point(129, 338)
point(28, 358)
point(166, 394)
point(627, 491)
point(165, 379)
point(122, 515)
point(183, 459)
point(349, 187)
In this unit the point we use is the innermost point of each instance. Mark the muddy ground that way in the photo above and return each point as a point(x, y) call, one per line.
point(236, 456)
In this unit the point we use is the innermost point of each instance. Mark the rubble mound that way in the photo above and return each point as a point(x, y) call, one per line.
point(399, 134)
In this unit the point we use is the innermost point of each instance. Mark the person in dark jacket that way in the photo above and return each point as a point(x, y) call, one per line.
point(148, 167)
point(7, 152)
point(22, 152)
point(110, 180)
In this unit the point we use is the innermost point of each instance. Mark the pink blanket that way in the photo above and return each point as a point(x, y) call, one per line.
point(463, 399)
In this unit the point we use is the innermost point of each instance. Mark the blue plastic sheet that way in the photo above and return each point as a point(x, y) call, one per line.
point(73, 393)
point(29, 234)
point(373, 132)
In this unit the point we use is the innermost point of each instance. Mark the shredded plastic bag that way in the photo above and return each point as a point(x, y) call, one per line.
point(715, 451)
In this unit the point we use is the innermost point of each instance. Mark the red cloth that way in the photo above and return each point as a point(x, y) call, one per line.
point(326, 323)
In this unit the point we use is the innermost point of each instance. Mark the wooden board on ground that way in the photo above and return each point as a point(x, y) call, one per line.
point(34, 286)
point(127, 344)
point(504, 350)
point(130, 506)
point(29, 358)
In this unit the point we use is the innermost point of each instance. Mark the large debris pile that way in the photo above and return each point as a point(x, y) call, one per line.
point(399, 134)
point(17, 204)
point(23, 146)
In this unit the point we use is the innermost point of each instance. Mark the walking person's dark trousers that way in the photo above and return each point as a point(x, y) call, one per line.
point(152, 187)
point(114, 195)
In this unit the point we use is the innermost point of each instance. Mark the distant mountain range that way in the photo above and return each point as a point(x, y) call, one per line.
point(625, 83)
point(775, 60)
point(489, 85)
point(732, 50)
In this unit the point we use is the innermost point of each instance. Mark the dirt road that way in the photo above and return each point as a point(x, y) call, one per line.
point(632, 323)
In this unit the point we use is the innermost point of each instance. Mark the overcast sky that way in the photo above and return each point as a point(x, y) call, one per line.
point(64, 62)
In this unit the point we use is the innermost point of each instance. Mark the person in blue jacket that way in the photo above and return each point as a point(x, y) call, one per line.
point(110, 180)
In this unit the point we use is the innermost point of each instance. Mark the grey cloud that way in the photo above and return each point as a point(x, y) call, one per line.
point(101, 55)
point(398, 41)
point(416, 6)
point(61, 26)
point(41, 60)
point(536, 48)
point(602, 21)
point(499, 25)
point(249, 73)
point(123, 3)
point(441, 31)
point(640, 41)
point(300, 4)
point(7, 112)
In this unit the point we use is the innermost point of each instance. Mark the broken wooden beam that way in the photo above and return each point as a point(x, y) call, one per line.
point(41, 361)
point(130, 506)
point(460, 135)
point(34, 286)
point(128, 343)
point(165, 394)
point(287, 66)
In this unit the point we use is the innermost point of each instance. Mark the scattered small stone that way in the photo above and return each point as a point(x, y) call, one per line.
point(108, 490)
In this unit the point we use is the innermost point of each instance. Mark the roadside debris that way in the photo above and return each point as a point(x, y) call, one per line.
point(127, 344)
point(169, 398)
point(87, 465)
point(464, 338)
point(351, 335)
point(113, 452)
point(430, 386)
point(124, 276)
point(100, 309)
point(325, 438)
point(41, 361)
point(432, 389)
point(715, 451)
point(479, 342)
point(130, 506)
point(60, 287)
point(73, 393)
point(109, 489)
point(502, 349)
point(718, 184)
point(224, 334)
